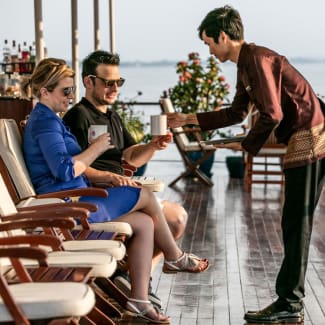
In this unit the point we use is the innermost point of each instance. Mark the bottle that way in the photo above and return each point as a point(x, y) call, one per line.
point(32, 52)
point(32, 58)
point(6, 57)
point(25, 53)
point(14, 57)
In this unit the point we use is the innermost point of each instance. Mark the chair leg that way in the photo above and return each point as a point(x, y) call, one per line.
point(112, 290)
point(99, 318)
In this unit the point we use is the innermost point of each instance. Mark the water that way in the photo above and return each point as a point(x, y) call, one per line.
point(153, 80)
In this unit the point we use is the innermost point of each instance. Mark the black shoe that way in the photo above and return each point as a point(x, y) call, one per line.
point(122, 281)
point(276, 313)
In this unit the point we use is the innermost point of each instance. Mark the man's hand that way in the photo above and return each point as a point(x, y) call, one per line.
point(161, 142)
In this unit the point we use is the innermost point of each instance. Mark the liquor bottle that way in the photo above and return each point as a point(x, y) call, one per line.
point(6, 57)
point(14, 57)
point(25, 57)
point(32, 52)
point(25, 53)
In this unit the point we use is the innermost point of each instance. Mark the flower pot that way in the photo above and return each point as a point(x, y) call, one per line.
point(235, 166)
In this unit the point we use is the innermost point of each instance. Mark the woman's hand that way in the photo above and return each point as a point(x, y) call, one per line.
point(103, 142)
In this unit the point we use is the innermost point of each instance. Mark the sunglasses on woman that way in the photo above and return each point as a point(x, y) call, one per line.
point(68, 91)
point(109, 83)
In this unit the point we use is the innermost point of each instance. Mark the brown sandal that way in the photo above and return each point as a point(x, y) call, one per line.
point(187, 262)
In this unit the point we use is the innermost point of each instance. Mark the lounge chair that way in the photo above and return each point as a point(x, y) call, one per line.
point(22, 303)
point(14, 171)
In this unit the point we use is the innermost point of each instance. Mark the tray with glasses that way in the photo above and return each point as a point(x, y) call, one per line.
point(224, 140)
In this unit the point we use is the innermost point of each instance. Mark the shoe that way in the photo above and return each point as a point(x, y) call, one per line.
point(122, 281)
point(147, 313)
point(189, 263)
point(276, 313)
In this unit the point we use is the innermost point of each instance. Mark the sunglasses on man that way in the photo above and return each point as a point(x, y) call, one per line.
point(109, 83)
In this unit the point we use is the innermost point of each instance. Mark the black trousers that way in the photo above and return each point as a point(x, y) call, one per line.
point(303, 186)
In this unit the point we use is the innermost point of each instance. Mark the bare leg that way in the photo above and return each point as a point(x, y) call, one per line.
point(140, 249)
point(163, 237)
point(176, 217)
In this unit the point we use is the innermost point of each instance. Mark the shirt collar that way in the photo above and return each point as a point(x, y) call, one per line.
point(84, 101)
point(242, 59)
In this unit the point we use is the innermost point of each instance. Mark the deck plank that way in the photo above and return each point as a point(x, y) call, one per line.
point(240, 233)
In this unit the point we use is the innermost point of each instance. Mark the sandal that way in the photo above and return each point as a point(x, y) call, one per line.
point(134, 311)
point(186, 263)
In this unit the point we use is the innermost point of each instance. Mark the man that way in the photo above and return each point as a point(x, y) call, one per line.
point(285, 102)
point(101, 79)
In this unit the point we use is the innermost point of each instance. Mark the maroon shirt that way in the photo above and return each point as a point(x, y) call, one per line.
point(285, 100)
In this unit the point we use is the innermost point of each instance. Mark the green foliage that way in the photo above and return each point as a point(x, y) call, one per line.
point(132, 120)
point(199, 88)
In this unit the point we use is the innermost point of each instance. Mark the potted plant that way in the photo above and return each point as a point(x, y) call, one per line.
point(201, 88)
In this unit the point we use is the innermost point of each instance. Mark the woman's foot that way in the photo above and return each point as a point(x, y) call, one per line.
point(186, 263)
point(145, 310)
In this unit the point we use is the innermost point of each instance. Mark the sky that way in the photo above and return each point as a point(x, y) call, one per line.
point(153, 30)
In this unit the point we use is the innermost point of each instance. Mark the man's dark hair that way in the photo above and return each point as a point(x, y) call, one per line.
point(225, 19)
point(90, 63)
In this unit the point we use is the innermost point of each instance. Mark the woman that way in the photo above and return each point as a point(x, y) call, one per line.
point(56, 162)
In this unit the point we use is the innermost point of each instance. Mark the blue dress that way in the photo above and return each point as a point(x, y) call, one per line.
point(49, 148)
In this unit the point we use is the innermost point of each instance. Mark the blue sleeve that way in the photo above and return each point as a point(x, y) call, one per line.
point(52, 139)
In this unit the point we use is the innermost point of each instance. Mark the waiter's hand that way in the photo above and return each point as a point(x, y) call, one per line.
point(175, 120)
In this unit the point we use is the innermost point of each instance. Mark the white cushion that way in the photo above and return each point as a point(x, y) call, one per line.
point(50, 300)
point(111, 226)
point(111, 247)
point(102, 264)
point(12, 155)
point(32, 201)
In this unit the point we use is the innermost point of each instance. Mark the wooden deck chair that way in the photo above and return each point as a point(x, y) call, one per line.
point(102, 263)
point(24, 195)
point(44, 303)
point(266, 166)
point(185, 146)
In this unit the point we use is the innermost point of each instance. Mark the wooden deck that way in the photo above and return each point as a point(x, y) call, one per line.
point(240, 234)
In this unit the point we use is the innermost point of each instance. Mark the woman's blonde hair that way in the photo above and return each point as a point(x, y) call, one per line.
point(47, 74)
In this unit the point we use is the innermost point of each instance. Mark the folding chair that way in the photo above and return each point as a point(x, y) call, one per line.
point(185, 147)
point(266, 166)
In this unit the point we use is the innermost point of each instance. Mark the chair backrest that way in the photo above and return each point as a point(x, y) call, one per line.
point(178, 133)
point(12, 155)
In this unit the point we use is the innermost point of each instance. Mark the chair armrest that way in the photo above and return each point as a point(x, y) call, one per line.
point(91, 207)
point(88, 191)
point(65, 223)
point(35, 253)
point(33, 240)
point(56, 210)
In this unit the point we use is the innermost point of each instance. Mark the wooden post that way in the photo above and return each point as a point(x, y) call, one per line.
point(74, 42)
